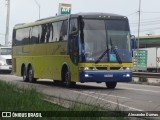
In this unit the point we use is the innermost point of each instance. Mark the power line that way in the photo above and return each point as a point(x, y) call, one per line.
point(147, 25)
point(145, 19)
point(132, 13)
point(147, 29)
point(149, 12)
point(153, 21)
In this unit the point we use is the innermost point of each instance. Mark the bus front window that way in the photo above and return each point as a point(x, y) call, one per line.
point(102, 35)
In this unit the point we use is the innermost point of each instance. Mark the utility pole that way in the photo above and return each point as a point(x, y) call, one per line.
point(139, 20)
point(7, 23)
point(39, 8)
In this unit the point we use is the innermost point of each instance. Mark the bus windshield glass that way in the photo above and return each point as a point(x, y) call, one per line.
point(102, 35)
point(5, 51)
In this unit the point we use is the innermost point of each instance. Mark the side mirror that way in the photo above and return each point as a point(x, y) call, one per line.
point(133, 42)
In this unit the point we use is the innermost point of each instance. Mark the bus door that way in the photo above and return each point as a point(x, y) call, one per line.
point(74, 41)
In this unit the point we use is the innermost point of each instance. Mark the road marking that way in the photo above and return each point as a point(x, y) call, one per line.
point(141, 90)
point(106, 95)
point(108, 101)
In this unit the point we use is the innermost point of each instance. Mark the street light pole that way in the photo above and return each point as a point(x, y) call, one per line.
point(139, 20)
point(7, 23)
point(38, 7)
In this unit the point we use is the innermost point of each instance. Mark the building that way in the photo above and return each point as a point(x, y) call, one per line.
point(149, 41)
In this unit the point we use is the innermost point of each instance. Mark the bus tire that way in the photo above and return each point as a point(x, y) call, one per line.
point(111, 85)
point(24, 74)
point(67, 79)
point(31, 75)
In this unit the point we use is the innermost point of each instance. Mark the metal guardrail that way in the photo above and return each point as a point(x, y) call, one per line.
point(146, 74)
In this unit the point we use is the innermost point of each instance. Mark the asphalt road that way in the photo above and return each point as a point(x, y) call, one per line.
point(132, 97)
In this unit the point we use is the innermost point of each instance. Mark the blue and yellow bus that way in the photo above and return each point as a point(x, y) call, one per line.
point(83, 47)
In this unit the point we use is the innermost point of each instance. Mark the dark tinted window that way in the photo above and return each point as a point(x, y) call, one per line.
point(63, 32)
point(73, 25)
point(94, 25)
point(34, 38)
point(50, 32)
point(117, 25)
point(43, 32)
point(22, 36)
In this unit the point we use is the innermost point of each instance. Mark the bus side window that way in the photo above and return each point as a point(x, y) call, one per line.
point(48, 35)
point(18, 38)
point(25, 36)
point(43, 33)
point(73, 25)
point(63, 32)
point(34, 35)
point(50, 32)
point(59, 25)
point(56, 29)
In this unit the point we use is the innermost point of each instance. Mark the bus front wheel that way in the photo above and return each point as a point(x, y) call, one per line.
point(111, 85)
point(67, 79)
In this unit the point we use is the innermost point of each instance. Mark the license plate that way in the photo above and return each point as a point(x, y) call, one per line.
point(108, 75)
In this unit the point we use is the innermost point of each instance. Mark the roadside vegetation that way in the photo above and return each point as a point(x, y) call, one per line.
point(15, 99)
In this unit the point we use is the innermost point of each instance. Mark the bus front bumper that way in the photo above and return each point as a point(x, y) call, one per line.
point(105, 76)
point(6, 68)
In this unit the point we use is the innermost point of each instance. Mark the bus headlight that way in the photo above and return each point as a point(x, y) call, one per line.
point(87, 68)
point(126, 68)
point(2, 63)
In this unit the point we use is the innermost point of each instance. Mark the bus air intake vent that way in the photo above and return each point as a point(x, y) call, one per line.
point(115, 68)
point(101, 68)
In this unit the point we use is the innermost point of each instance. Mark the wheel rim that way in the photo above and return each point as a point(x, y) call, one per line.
point(24, 74)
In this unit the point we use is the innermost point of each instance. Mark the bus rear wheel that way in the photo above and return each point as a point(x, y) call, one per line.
point(111, 85)
point(67, 79)
point(31, 75)
point(24, 75)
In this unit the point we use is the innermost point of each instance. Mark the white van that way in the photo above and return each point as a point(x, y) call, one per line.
point(5, 59)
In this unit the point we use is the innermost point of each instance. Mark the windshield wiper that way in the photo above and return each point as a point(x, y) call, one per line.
point(105, 52)
point(102, 55)
point(115, 51)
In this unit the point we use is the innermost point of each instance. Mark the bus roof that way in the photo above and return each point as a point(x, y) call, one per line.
point(96, 15)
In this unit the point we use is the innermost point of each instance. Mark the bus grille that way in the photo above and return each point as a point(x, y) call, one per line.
point(115, 68)
point(9, 61)
point(101, 68)
point(109, 68)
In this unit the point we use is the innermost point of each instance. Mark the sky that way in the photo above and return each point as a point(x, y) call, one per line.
point(24, 11)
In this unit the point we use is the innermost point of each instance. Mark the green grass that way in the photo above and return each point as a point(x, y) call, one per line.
point(13, 98)
point(16, 99)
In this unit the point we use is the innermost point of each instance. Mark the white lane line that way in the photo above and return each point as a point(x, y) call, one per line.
point(140, 89)
point(107, 95)
point(131, 108)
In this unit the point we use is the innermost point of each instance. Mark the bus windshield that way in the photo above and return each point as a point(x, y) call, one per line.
point(102, 35)
point(5, 51)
